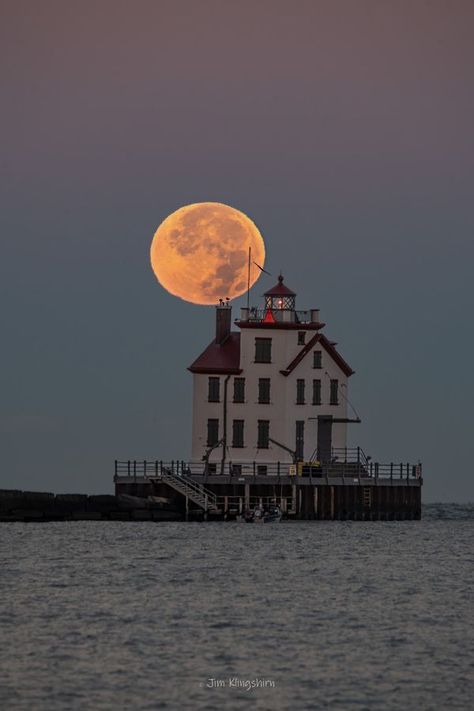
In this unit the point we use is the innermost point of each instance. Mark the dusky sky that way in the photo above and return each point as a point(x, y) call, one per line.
point(343, 129)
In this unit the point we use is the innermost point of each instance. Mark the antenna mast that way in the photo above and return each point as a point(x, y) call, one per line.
point(248, 280)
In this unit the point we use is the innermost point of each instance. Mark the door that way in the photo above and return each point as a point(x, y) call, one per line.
point(324, 438)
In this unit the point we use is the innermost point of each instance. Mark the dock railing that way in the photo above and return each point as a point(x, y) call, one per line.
point(350, 463)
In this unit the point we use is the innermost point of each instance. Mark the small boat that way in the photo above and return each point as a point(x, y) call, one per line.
point(271, 514)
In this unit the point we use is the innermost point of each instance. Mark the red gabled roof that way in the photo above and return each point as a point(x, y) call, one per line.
point(280, 289)
point(301, 355)
point(328, 347)
point(220, 359)
point(335, 355)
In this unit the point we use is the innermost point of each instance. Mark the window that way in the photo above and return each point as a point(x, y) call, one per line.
point(238, 433)
point(334, 395)
point(213, 391)
point(264, 390)
point(239, 389)
point(212, 432)
point(263, 434)
point(262, 470)
point(316, 392)
point(263, 350)
point(299, 448)
point(300, 391)
point(317, 359)
point(280, 302)
point(301, 338)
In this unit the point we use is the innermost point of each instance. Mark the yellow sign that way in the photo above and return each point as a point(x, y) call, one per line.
point(307, 467)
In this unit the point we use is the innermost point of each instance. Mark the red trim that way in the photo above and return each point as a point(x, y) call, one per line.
point(216, 370)
point(221, 358)
point(281, 325)
point(280, 289)
point(328, 347)
point(304, 351)
point(336, 356)
point(224, 359)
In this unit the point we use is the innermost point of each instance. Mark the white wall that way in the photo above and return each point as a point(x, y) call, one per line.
point(282, 412)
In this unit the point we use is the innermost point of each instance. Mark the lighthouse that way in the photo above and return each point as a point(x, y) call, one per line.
point(272, 390)
point(269, 429)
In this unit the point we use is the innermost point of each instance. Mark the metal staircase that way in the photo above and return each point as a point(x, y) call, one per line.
point(201, 496)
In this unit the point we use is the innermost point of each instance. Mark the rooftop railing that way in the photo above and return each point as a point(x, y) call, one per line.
point(280, 315)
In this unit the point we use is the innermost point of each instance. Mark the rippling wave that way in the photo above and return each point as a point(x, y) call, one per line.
point(297, 615)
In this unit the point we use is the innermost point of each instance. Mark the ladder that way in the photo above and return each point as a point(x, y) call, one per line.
point(184, 485)
point(367, 493)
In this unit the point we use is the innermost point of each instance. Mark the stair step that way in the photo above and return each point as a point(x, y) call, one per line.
point(197, 493)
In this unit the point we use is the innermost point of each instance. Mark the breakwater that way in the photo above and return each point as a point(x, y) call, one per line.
point(18, 505)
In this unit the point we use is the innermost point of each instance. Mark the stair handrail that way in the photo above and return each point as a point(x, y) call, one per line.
point(197, 488)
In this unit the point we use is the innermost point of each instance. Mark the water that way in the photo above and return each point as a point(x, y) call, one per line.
point(335, 615)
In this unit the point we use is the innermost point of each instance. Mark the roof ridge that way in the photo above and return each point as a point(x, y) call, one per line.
point(299, 357)
point(327, 345)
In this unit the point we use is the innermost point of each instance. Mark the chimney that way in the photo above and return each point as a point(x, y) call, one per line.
point(223, 322)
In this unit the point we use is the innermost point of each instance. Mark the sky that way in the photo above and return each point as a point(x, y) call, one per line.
point(343, 129)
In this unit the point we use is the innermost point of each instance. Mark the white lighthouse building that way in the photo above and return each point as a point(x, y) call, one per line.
point(273, 393)
point(270, 432)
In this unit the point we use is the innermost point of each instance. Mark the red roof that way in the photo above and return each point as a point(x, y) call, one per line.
point(336, 356)
point(329, 348)
point(220, 359)
point(280, 289)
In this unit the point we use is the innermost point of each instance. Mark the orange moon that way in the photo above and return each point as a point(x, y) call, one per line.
point(200, 252)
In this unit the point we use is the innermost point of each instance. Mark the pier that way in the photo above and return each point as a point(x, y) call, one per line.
point(348, 489)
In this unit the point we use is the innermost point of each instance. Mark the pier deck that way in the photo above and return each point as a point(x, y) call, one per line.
point(336, 491)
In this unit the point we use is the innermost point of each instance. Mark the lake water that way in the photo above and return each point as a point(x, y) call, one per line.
point(323, 615)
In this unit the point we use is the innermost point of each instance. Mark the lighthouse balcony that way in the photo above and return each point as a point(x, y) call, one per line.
point(279, 315)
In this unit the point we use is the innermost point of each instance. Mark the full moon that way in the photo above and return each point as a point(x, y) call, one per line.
point(200, 252)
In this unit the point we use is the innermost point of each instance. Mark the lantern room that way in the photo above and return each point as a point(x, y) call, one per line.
point(280, 297)
point(280, 308)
